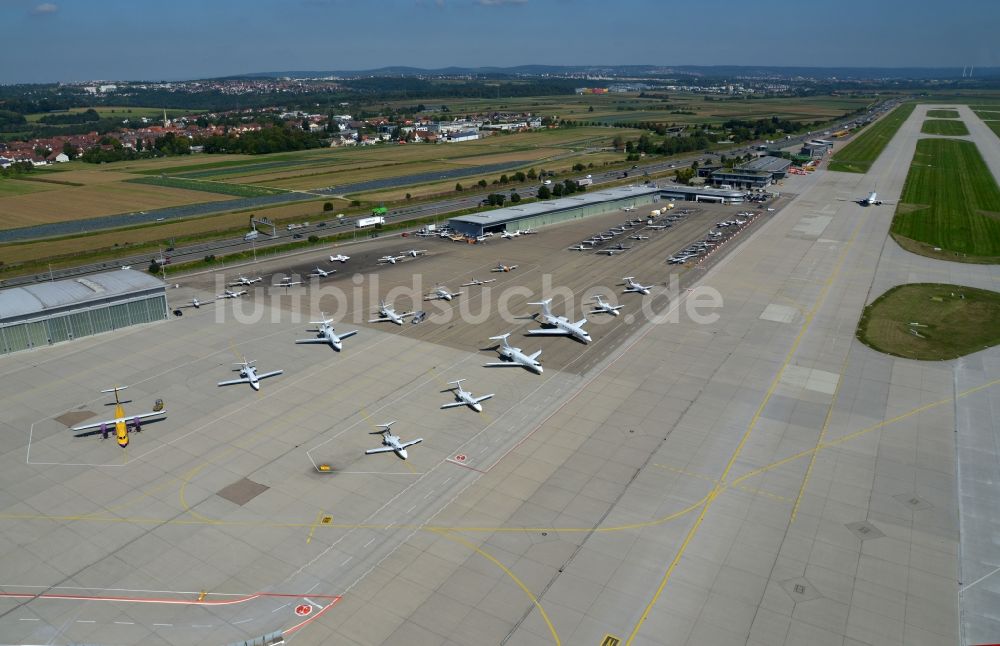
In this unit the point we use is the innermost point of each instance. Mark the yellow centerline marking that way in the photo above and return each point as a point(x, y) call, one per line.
point(486, 555)
point(312, 529)
point(721, 485)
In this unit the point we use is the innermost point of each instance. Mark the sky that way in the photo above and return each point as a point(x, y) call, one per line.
point(78, 40)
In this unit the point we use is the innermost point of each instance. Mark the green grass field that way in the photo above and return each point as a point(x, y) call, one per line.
point(124, 112)
point(944, 127)
point(994, 126)
point(988, 115)
point(931, 322)
point(942, 114)
point(239, 190)
point(858, 156)
point(950, 206)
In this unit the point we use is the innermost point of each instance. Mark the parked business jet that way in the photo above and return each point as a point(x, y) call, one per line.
point(559, 325)
point(514, 356)
point(248, 375)
point(632, 286)
point(326, 334)
point(464, 397)
point(391, 443)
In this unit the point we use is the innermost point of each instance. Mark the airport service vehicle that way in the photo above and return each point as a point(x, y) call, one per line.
point(602, 307)
point(418, 317)
point(514, 357)
point(248, 374)
point(230, 294)
point(321, 273)
point(326, 334)
point(559, 325)
point(391, 443)
point(121, 424)
point(464, 397)
point(634, 287)
point(387, 313)
point(243, 280)
point(441, 293)
point(475, 281)
point(339, 258)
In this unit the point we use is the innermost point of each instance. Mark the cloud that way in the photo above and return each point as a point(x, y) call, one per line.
point(44, 9)
point(501, 3)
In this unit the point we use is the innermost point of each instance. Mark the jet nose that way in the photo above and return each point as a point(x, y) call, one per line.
point(254, 385)
point(477, 407)
point(402, 453)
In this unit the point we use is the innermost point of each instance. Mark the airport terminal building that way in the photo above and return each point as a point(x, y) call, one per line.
point(38, 315)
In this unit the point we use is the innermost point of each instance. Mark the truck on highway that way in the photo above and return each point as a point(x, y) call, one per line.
point(250, 236)
point(586, 181)
point(362, 223)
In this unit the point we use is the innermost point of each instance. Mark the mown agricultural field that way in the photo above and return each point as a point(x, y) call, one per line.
point(944, 127)
point(931, 322)
point(864, 149)
point(942, 114)
point(950, 206)
point(22, 187)
point(124, 112)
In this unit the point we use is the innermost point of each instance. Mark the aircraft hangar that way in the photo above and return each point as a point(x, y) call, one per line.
point(38, 315)
point(536, 214)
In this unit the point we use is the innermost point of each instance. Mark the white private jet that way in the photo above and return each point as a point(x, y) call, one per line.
point(464, 397)
point(386, 313)
point(441, 293)
point(248, 375)
point(583, 246)
point(325, 334)
point(502, 267)
point(230, 294)
point(632, 286)
point(195, 303)
point(391, 443)
point(339, 258)
point(514, 357)
point(527, 232)
point(629, 208)
point(475, 281)
point(559, 325)
point(610, 251)
point(601, 307)
point(871, 200)
point(510, 235)
point(321, 273)
point(658, 227)
point(413, 253)
point(287, 282)
point(638, 237)
point(392, 260)
point(243, 280)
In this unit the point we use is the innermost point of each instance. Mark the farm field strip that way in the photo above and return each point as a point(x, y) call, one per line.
point(239, 190)
point(20, 187)
point(864, 149)
point(950, 201)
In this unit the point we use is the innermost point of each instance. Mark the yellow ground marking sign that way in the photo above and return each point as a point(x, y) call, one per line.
point(611, 640)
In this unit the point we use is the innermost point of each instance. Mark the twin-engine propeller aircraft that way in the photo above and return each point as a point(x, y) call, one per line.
point(464, 397)
point(243, 280)
point(559, 325)
point(391, 260)
point(339, 258)
point(121, 424)
point(502, 267)
point(441, 293)
point(325, 334)
point(322, 273)
point(634, 287)
point(387, 313)
point(229, 294)
point(248, 375)
point(413, 253)
point(602, 307)
point(514, 357)
point(391, 443)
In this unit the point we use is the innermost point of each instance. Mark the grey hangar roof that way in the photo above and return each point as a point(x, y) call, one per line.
point(512, 213)
point(18, 302)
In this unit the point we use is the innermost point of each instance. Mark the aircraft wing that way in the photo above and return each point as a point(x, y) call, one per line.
point(111, 422)
point(411, 443)
point(534, 357)
point(347, 334)
point(549, 332)
point(580, 323)
point(502, 364)
point(483, 398)
point(453, 405)
point(316, 340)
point(241, 380)
point(273, 373)
point(379, 320)
point(382, 449)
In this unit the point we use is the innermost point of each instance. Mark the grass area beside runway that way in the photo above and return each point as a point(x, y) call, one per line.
point(944, 127)
point(858, 156)
point(239, 190)
point(931, 322)
point(942, 114)
point(950, 205)
point(994, 126)
point(988, 115)
point(19, 187)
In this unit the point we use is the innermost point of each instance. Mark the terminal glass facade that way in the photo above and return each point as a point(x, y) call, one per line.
point(64, 326)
